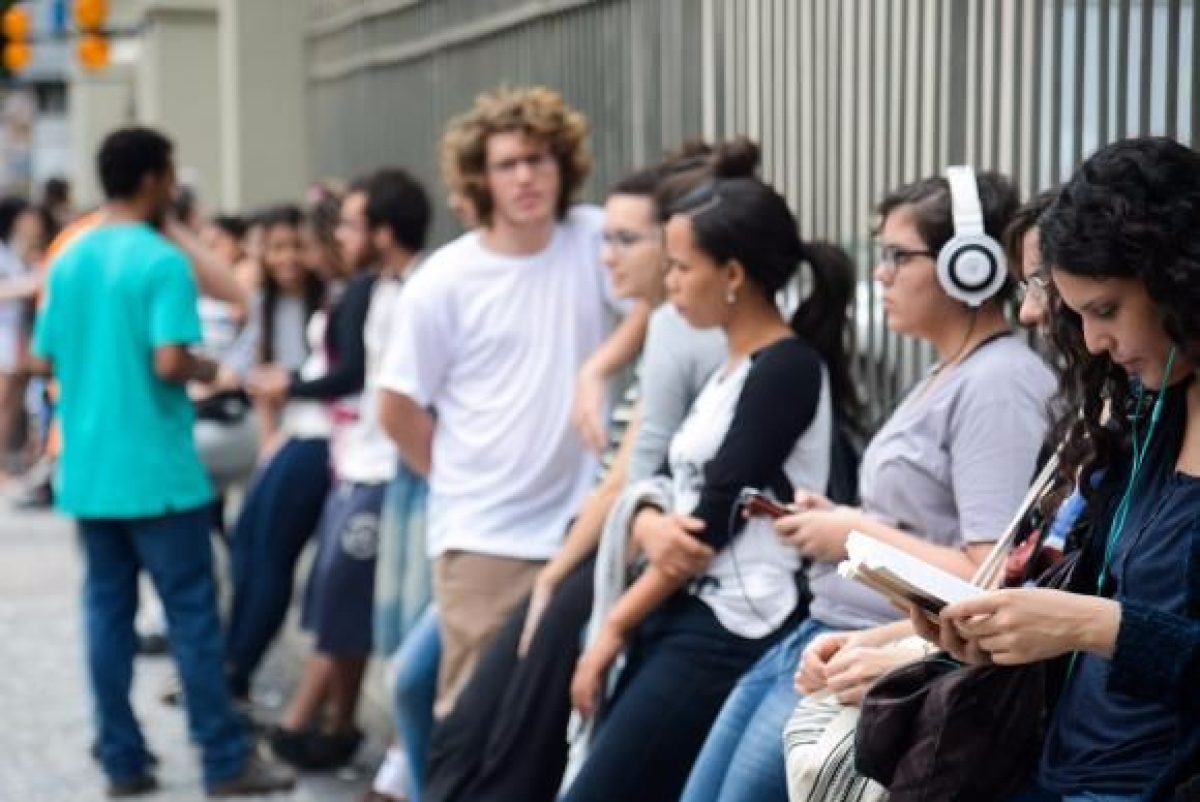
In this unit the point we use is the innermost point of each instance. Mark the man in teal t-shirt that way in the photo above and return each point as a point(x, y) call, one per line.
point(118, 294)
point(119, 318)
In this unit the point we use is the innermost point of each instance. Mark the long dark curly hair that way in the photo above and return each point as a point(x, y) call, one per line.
point(1131, 211)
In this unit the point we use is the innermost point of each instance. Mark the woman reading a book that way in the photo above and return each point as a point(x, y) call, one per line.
point(940, 480)
point(846, 663)
point(1123, 246)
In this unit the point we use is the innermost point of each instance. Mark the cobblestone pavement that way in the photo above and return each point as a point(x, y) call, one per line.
point(45, 727)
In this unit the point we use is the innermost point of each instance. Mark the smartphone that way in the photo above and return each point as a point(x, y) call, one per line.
point(759, 504)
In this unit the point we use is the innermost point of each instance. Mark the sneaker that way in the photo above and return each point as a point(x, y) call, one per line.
point(392, 781)
point(314, 751)
point(290, 746)
point(334, 750)
point(258, 777)
point(146, 784)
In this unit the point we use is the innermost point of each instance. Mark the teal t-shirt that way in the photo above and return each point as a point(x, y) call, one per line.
point(114, 296)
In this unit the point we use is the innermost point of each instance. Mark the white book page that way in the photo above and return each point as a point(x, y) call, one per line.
point(890, 563)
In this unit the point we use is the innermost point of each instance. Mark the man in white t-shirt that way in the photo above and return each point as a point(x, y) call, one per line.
point(480, 378)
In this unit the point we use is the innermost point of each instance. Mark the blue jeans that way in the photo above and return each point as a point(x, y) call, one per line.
point(277, 520)
point(416, 687)
point(403, 580)
point(742, 759)
point(176, 551)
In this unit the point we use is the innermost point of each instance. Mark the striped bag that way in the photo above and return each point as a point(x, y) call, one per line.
point(818, 746)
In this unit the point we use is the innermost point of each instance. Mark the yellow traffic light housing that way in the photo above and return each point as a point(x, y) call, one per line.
point(17, 56)
point(92, 52)
point(90, 15)
point(16, 24)
point(17, 28)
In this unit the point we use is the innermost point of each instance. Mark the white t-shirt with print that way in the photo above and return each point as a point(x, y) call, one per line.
point(493, 344)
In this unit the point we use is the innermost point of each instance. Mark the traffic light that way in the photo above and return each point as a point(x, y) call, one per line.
point(92, 47)
point(16, 30)
point(92, 51)
point(18, 37)
point(90, 15)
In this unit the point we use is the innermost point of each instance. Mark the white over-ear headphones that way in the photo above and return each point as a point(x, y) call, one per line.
point(971, 266)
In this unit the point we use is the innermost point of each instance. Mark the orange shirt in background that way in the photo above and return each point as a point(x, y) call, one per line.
point(65, 237)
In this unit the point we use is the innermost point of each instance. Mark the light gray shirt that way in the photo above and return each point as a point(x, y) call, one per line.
point(291, 318)
point(677, 361)
point(951, 466)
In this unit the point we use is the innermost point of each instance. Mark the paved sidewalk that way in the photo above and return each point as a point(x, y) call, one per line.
point(44, 700)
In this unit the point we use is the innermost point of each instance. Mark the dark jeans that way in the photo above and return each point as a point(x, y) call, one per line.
point(278, 518)
point(682, 666)
point(176, 551)
point(506, 738)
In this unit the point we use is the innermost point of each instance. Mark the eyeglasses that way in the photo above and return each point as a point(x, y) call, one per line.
point(1036, 288)
point(621, 240)
point(897, 257)
point(534, 161)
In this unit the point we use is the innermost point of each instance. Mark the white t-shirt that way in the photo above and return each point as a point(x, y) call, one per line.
point(364, 452)
point(493, 344)
point(750, 584)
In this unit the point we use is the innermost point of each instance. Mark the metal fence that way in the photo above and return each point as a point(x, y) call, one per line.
point(848, 97)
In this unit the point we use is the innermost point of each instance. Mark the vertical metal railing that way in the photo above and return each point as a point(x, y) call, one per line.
point(848, 97)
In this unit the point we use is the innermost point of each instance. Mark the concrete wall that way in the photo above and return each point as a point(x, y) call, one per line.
point(98, 105)
point(264, 138)
point(225, 79)
point(177, 86)
point(100, 102)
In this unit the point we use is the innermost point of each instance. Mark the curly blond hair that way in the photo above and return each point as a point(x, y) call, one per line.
point(537, 112)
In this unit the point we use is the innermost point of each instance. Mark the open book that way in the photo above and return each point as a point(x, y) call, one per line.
point(903, 578)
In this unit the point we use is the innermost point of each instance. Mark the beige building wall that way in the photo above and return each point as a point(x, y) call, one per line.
point(178, 91)
point(262, 79)
point(223, 78)
point(100, 102)
point(98, 105)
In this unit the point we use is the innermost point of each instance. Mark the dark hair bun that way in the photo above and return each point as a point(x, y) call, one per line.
point(736, 158)
point(689, 149)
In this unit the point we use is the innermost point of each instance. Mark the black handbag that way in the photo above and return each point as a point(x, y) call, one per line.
point(225, 406)
point(939, 731)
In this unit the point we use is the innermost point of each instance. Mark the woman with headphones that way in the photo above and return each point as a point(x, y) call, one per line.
point(940, 479)
point(1121, 241)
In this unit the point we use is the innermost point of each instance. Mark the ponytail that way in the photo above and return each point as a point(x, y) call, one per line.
point(822, 319)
